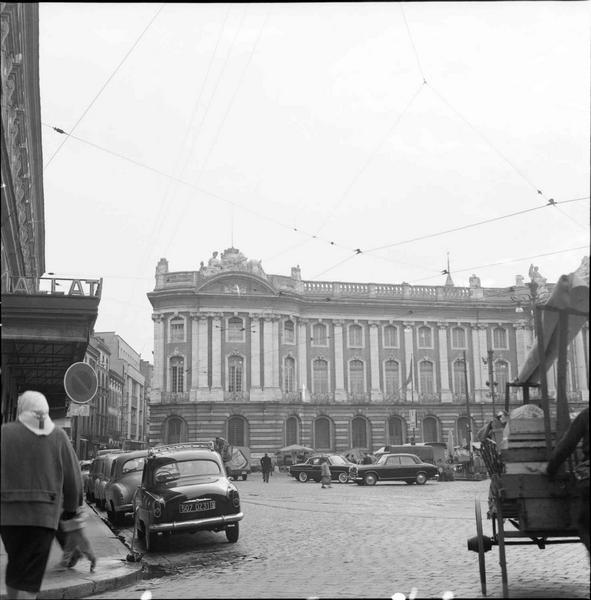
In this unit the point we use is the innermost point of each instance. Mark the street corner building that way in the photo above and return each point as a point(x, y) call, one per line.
point(46, 321)
point(270, 360)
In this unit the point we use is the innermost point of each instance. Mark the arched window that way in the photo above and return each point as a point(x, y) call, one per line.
point(390, 336)
point(356, 379)
point(359, 433)
point(322, 434)
point(235, 329)
point(426, 380)
point(499, 338)
point(319, 335)
point(458, 337)
point(235, 373)
point(459, 381)
point(463, 431)
point(288, 332)
point(425, 338)
point(320, 376)
point(177, 368)
point(392, 378)
point(501, 378)
point(355, 336)
point(175, 431)
point(430, 430)
point(289, 375)
point(292, 430)
point(177, 329)
point(396, 430)
point(237, 435)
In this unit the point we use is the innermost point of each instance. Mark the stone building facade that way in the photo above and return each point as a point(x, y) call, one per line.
point(268, 360)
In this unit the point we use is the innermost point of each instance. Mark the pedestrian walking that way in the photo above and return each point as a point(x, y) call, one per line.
point(578, 430)
point(325, 475)
point(266, 466)
point(40, 482)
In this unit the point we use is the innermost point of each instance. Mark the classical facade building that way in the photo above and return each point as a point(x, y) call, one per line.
point(270, 360)
point(46, 321)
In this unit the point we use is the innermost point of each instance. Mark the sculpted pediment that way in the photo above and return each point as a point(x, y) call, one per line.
point(237, 285)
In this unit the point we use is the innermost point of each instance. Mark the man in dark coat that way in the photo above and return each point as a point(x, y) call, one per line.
point(266, 467)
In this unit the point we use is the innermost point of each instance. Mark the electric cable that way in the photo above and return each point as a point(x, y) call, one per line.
point(101, 90)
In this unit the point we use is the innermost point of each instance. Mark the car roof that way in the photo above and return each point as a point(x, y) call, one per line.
point(130, 455)
point(401, 454)
point(184, 454)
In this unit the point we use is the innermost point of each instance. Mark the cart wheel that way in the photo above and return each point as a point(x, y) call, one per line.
point(481, 563)
point(501, 541)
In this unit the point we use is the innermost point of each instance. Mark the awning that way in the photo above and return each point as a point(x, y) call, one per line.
point(571, 291)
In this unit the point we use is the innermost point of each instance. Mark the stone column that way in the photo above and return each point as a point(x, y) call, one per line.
point(275, 353)
point(217, 331)
point(446, 395)
point(580, 366)
point(159, 362)
point(194, 356)
point(408, 359)
point(302, 341)
point(203, 353)
point(374, 357)
point(479, 349)
point(256, 392)
point(270, 360)
point(340, 394)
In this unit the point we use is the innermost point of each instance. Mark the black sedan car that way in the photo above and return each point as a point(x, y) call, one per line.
point(185, 489)
point(393, 467)
point(338, 465)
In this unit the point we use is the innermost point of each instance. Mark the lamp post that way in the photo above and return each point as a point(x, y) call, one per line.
point(471, 463)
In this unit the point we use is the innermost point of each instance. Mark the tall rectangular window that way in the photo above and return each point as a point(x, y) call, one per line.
point(177, 330)
point(391, 378)
point(390, 336)
point(289, 375)
point(425, 339)
point(426, 377)
point(235, 374)
point(320, 376)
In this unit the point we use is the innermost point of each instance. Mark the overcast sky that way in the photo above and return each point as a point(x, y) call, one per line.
point(263, 125)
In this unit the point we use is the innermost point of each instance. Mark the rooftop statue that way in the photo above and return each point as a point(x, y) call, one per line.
point(231, 259)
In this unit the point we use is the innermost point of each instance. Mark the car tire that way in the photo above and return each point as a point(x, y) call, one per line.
point(232, 533)
point(370, 479)
point(343, 478)
point(244, 478)
point(302, 476)
point(421, 479)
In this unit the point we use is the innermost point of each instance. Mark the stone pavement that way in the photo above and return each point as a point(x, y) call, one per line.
point(112, 569)
point(301, 541)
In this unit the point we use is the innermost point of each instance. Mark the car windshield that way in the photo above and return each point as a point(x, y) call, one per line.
point(382, 460)
point(338, 460)
point(178, 473)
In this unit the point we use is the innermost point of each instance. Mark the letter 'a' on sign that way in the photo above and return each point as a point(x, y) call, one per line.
point(80, 382)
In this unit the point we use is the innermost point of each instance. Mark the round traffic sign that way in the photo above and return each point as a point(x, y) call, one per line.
point(80, 382)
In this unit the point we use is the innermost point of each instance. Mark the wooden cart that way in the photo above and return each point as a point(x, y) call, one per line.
point(525, 506)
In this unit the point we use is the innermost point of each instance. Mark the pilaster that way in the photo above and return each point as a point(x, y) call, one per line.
point(194, 356)
point(479, 350)
point(256, 392)
point(408, 356)
point(446, 395)
point(340, 394)
point(159, 363)
point(302, 341)
point(374, 354)
point(203, 353)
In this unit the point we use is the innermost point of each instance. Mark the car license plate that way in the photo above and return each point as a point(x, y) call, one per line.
point(197, 506)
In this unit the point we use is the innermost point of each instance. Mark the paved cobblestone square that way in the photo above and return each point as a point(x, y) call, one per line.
point(301, 541)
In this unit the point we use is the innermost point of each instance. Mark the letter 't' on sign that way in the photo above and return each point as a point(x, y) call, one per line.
point(80, 383)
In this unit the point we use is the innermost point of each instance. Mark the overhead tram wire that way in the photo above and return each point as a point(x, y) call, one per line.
point(370, 158)
point(506, 262)
point(478, 223)
point(285, 225)
point(413, 44)
point(196, 105)
point(102, 89)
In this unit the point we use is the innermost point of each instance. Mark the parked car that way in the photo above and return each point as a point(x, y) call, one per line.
point(184, 489)
point(95, 471)
point(394, 467)
point(85, 470)
point(103, 474)
point(339, 468)
point(126, 476)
